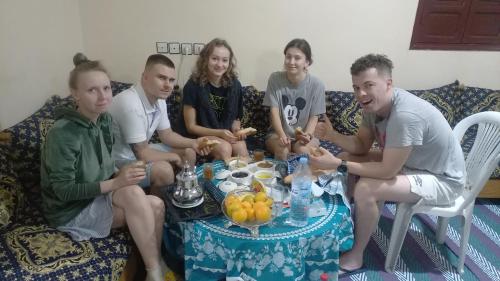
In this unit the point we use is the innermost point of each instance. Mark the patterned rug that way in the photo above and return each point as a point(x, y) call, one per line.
point(422, 258)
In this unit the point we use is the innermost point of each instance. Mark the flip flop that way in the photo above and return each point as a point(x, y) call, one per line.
point(346, 272)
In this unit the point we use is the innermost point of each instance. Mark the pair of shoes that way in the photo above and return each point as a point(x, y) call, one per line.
point(343, 272)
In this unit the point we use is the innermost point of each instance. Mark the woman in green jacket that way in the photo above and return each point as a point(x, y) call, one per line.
point(82, 195)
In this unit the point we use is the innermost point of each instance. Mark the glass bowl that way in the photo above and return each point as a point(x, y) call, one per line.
point(252, 226)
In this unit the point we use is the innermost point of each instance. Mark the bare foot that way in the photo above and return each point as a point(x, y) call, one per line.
point(351, 261)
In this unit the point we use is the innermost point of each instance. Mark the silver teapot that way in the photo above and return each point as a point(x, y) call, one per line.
point(188, 193)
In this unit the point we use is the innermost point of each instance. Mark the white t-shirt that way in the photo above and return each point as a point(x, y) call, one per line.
point(135, 120)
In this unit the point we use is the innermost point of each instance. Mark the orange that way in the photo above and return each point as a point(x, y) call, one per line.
point(260, 196)
point(259, 204)
point(250, 214)
point(246, 204)
point(234, 206)
point(239, 215)
point(269, 202)
point(248, 198)
point(229, 199)
point(263, 214)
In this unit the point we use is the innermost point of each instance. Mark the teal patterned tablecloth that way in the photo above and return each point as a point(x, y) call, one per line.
point(281, 252)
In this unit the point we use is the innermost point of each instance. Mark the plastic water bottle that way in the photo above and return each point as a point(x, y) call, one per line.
point(301, 194)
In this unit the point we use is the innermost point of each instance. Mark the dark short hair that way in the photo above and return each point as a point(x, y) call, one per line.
point(159, 59)
point(380, 62)
point(82, 65)
point(302, 45)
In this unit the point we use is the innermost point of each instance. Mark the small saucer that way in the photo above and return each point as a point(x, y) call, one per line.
point(223, 174)
point(188, 205)
point(227, 186)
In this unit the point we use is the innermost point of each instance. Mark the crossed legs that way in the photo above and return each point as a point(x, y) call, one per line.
point(144, 216)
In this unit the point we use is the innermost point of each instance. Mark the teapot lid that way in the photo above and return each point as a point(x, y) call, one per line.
point(187, 171)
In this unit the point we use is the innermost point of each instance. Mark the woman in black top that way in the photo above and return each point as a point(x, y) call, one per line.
point(213, 102)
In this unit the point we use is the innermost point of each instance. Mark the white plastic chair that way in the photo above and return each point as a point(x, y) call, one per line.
point(481, 161)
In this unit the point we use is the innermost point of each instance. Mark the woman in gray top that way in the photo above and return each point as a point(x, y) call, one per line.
point(296, 98)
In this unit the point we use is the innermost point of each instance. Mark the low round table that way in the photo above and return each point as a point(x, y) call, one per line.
point(281, 252)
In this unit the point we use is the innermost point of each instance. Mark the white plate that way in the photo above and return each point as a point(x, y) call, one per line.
point(194, 204)
point(227, 186)
point(223, 174)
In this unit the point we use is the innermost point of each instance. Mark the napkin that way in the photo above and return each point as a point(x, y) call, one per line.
point(335, 183)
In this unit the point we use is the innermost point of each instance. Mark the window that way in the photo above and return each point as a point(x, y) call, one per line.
point(457, 25)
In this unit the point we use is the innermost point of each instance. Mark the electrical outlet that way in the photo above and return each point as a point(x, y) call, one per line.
point(162, 47)
point(187, 48)
point(174, 47)
point(197, 48)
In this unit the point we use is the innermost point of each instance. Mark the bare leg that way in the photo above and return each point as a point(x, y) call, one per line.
point(374, 155)
point(186, 154)
point(301, 148)
point(143, 216)
point(162, 174)
point(273, 144)
point(367, 193)
point(240, 148)
point(223, 150)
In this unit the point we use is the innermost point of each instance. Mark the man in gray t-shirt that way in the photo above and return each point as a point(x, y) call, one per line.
point(419, 157)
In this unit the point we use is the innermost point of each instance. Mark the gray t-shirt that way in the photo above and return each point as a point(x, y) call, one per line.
point(417, 123)
point(296, 103)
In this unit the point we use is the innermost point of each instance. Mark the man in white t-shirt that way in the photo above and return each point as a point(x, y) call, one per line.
point(419, 157)
point(140, 111)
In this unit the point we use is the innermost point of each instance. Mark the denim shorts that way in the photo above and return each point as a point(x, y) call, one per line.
point(146, 182)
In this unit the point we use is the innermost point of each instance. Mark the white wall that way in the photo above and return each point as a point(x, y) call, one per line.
point(122, 33)
point(338, 31)
point(37, 42)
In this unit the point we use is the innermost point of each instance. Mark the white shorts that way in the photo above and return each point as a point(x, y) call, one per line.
point(433, 189)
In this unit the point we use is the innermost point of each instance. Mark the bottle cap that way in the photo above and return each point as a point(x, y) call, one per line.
point(303, 160)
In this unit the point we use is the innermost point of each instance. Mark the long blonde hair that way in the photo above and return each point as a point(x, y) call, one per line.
point(200, 73)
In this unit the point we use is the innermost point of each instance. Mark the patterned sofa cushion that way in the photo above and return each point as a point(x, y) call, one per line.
point(38, 252)
point(343, 111)
point(27, 140)
point(255, 115)
point(473, 100)
point(9, 187)
point(444, 98)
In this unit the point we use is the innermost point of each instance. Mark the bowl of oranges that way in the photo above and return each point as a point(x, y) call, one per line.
point(247, 209)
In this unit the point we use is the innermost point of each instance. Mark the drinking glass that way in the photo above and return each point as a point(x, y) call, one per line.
point(258, 155)
point(208, 172)
point(278, 196)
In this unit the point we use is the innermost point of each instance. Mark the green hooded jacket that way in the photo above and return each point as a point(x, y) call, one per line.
point(76, 157)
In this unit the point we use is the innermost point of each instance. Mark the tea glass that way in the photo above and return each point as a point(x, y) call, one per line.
point(258, 155)
point(208, 171)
